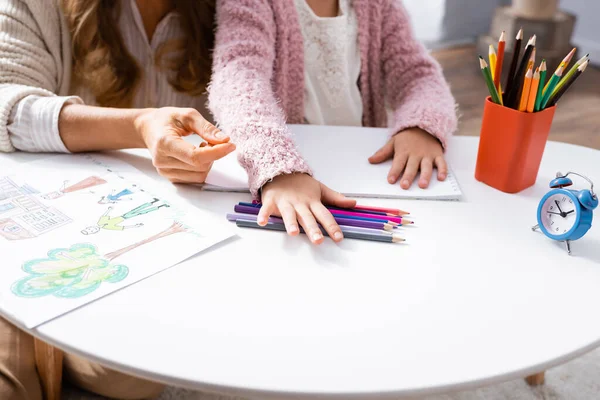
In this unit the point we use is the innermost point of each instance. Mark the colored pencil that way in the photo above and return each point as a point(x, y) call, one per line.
point(512, 98)
point(565, 62)
point(371, 209)
point(526, 88)
point(365, 211)
point(492, 58)
point(557, 95)
point(515, 61)
point(540, 90)
point(393, 211)
point(531, 62)
point(359, 216)
point(339, 220)
point(487, 76)
point(499, 62)
point(278, 220)
point(350, 235)
point(551, 85)
point(571, 72)
point(535, 83)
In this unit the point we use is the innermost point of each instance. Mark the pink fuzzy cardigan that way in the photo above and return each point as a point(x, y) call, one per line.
point(258, 80)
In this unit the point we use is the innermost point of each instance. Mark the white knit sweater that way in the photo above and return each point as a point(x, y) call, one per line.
point(35, 55)
point(35, 71)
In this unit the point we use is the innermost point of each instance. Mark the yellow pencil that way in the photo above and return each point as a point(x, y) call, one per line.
point(526, 89)
point(493, 58)
point(565, 62)
point(535, 83)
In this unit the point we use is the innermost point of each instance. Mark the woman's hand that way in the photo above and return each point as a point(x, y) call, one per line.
point(299, 198)
point(163, 129)
point(412, 150)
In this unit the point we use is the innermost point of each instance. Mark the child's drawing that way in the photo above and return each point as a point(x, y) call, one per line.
point(28, 218)
point(9, 189)
point(84, 184)
point(114, 223)
point(113, 197)
point(79, 270)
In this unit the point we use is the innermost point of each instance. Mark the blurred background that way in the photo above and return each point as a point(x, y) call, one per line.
point(457, 31)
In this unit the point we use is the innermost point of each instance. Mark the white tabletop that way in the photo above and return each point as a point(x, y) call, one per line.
point(473, 297)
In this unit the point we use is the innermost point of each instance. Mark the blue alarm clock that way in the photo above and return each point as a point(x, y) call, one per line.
point(566, 214)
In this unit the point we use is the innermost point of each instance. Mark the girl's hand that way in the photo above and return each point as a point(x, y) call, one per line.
point(163, 129)
point(299, 198)
point(412, 150)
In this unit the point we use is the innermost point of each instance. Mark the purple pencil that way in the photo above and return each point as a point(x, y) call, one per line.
point(277, 220)
point(341, 221)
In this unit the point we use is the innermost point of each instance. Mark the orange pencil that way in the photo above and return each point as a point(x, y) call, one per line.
point(535, 83)
point(526, 88)
point(531, 62)
point(499, 61)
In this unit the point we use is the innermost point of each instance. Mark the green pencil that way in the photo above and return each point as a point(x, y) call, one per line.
point(538, 99)
point(487, 76)
point(551, 85)
point(571, 72)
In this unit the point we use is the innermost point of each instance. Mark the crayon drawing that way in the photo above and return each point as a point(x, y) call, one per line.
point(114, 223)
point(113, 198)
point(78, 270)
point(26, 217)
point(84, 184)
point(9, 189)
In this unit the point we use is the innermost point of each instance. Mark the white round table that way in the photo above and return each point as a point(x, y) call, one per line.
point(473, 297)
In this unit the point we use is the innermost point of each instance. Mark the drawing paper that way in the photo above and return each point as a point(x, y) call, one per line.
point(74, 228)
point(339, 157)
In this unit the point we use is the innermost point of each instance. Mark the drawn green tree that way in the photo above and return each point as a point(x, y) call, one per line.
point(78, 270)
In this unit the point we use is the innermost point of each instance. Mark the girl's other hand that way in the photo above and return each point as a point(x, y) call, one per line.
point(299, 198)
point(163, 129)
point(412, 150)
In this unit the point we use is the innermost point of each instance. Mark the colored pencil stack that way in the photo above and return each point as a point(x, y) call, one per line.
point(361, 222)
point(526, 89)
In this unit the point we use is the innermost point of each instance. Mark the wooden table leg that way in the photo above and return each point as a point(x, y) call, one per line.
point(536, 379)
point(49, 362)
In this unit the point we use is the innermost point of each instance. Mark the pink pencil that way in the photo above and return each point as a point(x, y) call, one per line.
point(398, 220)
point(394, 211)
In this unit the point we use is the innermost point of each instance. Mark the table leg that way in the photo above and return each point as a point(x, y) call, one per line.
point(536, 379)
point(49, 362)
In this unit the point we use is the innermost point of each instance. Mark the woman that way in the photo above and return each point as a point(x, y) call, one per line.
point(89, 75)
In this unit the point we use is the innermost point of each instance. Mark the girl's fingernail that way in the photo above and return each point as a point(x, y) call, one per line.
point(405, 182)
point(392, 179)
point(338, 236)
point(219, 135)
point(293, 229)
point(317, 236)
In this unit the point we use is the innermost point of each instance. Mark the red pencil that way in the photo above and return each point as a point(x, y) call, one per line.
point(499, 61)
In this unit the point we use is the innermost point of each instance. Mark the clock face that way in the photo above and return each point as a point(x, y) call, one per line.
point(559, 214)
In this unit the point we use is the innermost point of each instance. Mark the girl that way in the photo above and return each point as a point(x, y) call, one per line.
point(87, 75)
point(328, 62)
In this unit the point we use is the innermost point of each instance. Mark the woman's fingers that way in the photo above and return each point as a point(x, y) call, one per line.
point(442, 167)
point(175, 147)
point(163, 162)
point(410, 172)
point(327, 221)
point(426, 172)
point(308, 222)
point(182, 176)
point(191, 121)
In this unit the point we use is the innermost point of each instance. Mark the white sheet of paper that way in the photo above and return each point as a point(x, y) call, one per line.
point(338, 157)
point(76, 228)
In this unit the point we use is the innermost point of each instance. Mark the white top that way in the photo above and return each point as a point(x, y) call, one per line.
point(331, 66)
point(473, 297)
point(33, 123)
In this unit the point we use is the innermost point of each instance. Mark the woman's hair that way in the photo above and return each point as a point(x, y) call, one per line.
point(102, 63)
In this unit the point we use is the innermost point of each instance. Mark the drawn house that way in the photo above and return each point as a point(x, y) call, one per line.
point(26, 218)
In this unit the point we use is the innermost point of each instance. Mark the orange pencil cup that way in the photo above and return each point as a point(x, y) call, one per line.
point(511, 146)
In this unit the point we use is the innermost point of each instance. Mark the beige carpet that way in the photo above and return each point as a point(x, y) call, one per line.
point(576, 380)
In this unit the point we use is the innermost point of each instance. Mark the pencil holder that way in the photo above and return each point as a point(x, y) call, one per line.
point(511, 146)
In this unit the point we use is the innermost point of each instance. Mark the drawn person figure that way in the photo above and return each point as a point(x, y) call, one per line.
point(113, 198)
point(84, 184)
point(114, 223)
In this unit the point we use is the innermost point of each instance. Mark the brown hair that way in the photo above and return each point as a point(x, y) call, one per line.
point(102, 63)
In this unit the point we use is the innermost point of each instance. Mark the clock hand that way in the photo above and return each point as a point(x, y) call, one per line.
point(569, 212)
point(558, 205)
